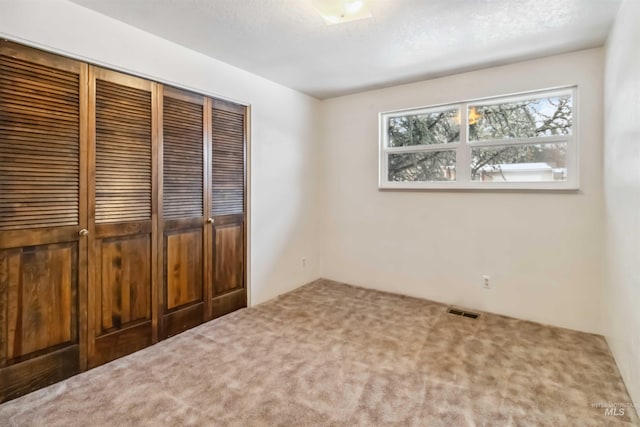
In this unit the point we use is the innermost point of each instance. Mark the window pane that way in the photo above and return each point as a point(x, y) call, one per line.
point(429, 166)
point(424, 129)
point(525, 119)
point(520, 163)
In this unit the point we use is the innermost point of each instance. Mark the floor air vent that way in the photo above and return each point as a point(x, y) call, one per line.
point(463, 313)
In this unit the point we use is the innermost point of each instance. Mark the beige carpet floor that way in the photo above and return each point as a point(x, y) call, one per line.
point(329, 354)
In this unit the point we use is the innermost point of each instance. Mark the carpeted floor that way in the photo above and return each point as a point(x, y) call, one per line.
point(331, 354)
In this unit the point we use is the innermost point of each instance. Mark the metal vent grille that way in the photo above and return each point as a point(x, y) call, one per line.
point(463, 313)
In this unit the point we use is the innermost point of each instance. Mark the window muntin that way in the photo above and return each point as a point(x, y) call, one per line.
point(525, 141)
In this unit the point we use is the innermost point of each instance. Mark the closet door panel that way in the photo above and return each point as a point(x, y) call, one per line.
point(184, 280)
point(42, 210)
point(125, 275)
point(41, 284)
point(228, 290)
point(182, 219)
point(229, 293)
point(229, 260)
point(122, 204)
point(184, 268)
point(124, 302)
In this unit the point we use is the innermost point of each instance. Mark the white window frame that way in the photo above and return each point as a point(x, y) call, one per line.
point(463, 147)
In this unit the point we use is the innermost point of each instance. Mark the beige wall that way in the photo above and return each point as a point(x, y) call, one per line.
point(622, 191)
point(543, 250)
point(284, 134)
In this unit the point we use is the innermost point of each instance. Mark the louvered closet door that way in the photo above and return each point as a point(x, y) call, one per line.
point(122, 209)
point(184, 190)
point(42, 210)
point(228, 290)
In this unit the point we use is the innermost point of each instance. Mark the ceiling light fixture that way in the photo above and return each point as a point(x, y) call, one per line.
point(341, 11)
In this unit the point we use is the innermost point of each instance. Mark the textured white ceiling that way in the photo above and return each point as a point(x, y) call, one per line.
point(406, 40)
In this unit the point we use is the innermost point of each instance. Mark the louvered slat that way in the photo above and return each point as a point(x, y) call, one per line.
point(39, 146)
point(123, 153)
point(228, 162)
point(183, 159)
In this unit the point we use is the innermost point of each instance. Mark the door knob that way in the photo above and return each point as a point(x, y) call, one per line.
point(83, 232)
point(211, 220)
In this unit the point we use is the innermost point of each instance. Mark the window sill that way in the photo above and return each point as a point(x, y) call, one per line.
point(497, 187)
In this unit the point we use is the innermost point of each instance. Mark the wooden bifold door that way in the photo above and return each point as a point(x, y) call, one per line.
point(43, 209)
point(203, 204)
point(184, 152)
point(122, 207)
point(228, 182)
point(122, 215)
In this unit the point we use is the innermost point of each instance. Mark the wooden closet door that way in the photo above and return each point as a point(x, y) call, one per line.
point(122, 210)
point(43, 213)
point(228, 142)
point(184, 191)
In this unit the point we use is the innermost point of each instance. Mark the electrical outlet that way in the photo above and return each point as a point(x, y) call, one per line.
point(304, 262)
point(486, 282)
